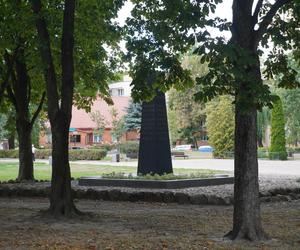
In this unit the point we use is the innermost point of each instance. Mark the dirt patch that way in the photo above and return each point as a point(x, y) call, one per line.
point(125, 225)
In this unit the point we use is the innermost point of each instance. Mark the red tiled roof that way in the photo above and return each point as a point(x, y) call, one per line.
point(81, 119)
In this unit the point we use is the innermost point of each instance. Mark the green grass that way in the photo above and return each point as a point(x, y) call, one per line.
point(42, 171)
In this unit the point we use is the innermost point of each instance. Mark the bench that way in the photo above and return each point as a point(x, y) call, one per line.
point(179, 154)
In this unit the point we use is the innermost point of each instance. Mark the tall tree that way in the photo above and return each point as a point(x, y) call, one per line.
point(277, 149)
point(94, 30)
point(220, 126)
point(240, 75)
point(61, 202)
point(189, 113)
point(291, 103)
point(21, 85)
point(133, 116)
point(234, 68)
point(19, 92)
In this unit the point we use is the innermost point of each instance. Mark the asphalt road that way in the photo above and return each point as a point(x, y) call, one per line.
point(266, 167)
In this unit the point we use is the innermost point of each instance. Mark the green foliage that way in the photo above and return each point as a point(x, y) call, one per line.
point(87, 154)
point(74, 155)
point(100, 121)
point(189, 115)
point(117, 125)
point(129, 147)
point(220, 126)
point(291, 104)
point(133, 117)
point(277, 149)
point(156, 45)
point(9, 153)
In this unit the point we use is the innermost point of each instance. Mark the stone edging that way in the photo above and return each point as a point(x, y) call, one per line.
point(275, 195)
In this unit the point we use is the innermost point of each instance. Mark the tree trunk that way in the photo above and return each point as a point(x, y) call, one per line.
point(59, 108)
point(154, 151)
point(25, 151)
point(11, 141)
point(260, 142)
point(61, 200)
point(246, 217)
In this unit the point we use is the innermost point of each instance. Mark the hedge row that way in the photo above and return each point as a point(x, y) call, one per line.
point(129, 147)
point(78, 154)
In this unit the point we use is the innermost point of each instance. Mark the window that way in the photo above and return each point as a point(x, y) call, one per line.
point(75, 138)
point(120, 92)
point(97, 138)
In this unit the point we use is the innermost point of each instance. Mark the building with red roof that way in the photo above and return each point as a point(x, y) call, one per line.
point(83, 128)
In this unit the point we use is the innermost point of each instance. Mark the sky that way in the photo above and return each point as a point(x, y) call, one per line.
point(223, 11)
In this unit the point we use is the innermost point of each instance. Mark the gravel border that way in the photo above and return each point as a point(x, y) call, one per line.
point(272, 189)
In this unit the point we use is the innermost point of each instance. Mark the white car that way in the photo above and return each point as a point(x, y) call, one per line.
point(183, 147)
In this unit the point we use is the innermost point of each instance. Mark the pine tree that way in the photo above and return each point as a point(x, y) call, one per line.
point(133, 116)
point(277, 148)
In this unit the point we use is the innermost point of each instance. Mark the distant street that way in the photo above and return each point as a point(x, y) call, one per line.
point(266, 167)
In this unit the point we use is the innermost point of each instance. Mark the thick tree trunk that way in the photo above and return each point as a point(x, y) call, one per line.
point(154, 151)
point(61, 200)
point(25, 151)
point(246, 217)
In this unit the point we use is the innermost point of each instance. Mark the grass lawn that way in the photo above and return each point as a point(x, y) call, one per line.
point(42, 171)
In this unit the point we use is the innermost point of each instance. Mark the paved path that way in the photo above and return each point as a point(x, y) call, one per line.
point(266, 167)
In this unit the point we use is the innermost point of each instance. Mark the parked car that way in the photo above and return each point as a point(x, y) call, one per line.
point(205, 149)
point(183, 147)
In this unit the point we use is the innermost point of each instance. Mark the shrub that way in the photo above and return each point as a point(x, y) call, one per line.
point(87, 154)
point(130, 147)
point(78, 154)
point(277, 148)
point(13, 153)
point(262, 153)
point(43, 153)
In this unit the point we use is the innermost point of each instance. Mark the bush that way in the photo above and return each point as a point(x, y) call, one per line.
point(78, 154)
point(43, 153)
point(262, 153)
point(87, 154)
point(13, 153)
point(130, 147)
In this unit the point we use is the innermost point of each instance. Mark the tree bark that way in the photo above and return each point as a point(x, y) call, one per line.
point(246, 217)
point(154, 151)
point(11, 141)
point(19, 94)
point(25, 151)
point(61, 201)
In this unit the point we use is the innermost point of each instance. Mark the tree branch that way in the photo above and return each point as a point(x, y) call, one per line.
point(67, 60)
point(45, 51)
point(37, 112)
point(9, 61)
point(256, 11)
point(268, 18)
point(12, 97)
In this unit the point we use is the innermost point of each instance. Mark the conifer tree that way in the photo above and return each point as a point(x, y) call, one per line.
point(277, 148)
